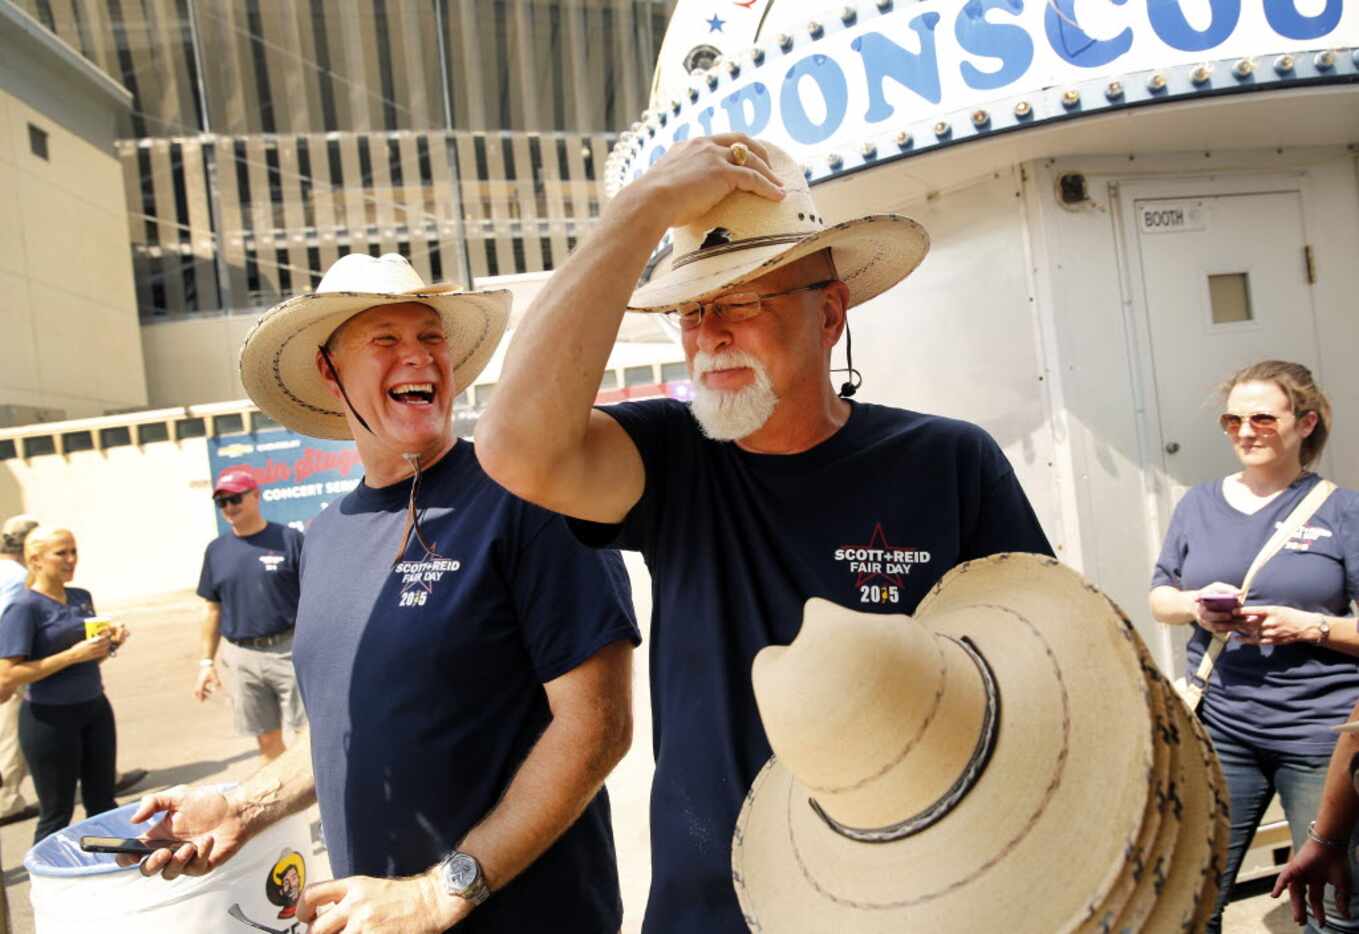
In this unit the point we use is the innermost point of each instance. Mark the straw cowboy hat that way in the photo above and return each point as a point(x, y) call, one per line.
point(278, 358)
point(1008, 759)
point(746, 236)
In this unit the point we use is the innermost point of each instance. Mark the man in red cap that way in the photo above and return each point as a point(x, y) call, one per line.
point(250, 583)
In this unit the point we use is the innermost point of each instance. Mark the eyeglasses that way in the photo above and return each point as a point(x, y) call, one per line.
point(1260, 422)
point(733, 307)
point(232, 500)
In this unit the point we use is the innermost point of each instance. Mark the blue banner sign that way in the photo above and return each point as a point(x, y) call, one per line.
point(298, 476)
point(855, 77)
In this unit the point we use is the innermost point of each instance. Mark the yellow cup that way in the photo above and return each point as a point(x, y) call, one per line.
point(97, 625)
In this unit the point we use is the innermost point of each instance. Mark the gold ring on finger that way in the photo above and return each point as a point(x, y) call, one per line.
point(739, 153)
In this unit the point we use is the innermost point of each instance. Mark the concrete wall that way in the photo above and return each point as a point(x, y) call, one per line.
point(68, 314)
point(194, 360)
point(141, 515)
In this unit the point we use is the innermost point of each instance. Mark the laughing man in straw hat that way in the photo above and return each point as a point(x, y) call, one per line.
point(465, 666)
point(767, 490)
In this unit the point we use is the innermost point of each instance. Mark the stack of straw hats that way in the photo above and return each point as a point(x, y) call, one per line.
point(1008, 759)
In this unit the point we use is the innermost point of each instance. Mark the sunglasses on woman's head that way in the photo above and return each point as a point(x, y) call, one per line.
point(1260, 422)
point(233, 500)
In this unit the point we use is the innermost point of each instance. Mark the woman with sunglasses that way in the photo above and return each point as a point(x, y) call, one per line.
point(66, 725)
point(1289, 670)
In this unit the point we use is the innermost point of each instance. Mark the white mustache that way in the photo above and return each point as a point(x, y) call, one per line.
point(705, 362)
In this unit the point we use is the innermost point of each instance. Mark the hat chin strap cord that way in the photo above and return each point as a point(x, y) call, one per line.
point(412, 458)
point(981, 755)
point(850, 386)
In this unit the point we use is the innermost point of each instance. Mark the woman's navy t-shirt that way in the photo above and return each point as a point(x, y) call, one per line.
point(737, 542)
point(35, 626)
point(1283, 698)
point(423, 681)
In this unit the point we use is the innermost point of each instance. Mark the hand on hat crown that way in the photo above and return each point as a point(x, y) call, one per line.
point(698, 173)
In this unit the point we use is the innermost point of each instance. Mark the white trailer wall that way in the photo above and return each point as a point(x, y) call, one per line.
point(960, 336)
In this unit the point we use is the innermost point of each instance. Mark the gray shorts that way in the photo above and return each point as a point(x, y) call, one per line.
point(263, 687)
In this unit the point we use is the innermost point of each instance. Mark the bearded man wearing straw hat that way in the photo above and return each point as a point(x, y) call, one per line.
point(767, 490)
point(464, 662)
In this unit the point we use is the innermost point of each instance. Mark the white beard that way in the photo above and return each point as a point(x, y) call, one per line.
point(727, 415)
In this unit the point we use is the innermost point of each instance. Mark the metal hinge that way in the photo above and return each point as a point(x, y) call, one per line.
point(1310, 264)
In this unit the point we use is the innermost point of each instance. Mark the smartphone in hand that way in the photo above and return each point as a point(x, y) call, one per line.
point(1220, 602)
point(129, 845)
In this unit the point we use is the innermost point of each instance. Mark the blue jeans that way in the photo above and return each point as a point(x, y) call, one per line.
point(1253, 776)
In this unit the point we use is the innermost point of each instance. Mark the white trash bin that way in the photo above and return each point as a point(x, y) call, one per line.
point(74, 892)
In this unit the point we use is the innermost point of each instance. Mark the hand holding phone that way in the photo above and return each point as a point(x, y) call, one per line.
point(129, 845)
point(1220, 602)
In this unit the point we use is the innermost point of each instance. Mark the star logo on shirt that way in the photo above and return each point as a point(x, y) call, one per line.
point(715, 24)
point(418, 581)
point(871, 569)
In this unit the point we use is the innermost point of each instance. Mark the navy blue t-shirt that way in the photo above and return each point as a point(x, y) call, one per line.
point(423, 682)
point(35, 626)
point(1283, 698)
point(737, 542)
point(254, 579)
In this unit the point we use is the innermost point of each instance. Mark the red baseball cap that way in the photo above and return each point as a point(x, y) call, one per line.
point(234, 480)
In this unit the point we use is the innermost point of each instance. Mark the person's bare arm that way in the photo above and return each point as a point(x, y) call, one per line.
point(16, 672)
point(1317, 864)
point(590, 731)
point(211, 634)
point(1173, 606)
point(214, 825)
point(540, 436)
point(210, 637)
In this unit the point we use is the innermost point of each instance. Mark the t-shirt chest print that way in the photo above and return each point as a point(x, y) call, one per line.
point(1305, 537)
point(271, 561)
point(879, 568)
point(420, 576)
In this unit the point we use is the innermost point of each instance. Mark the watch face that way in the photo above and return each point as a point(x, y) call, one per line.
point(462, 872)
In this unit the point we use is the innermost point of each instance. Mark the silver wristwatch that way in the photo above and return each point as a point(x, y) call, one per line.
point(462, 876)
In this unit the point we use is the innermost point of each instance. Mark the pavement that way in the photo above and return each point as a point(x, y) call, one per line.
point(161, 728)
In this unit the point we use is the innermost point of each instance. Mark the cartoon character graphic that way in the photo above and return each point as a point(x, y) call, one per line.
point(283, 888)
point(285, 882)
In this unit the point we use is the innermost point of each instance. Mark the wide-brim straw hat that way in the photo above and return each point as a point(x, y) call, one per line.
point(746, 236)
point(278, 358)
point(1008, 759)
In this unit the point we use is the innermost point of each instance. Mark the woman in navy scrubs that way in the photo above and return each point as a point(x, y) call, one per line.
point(66, 725)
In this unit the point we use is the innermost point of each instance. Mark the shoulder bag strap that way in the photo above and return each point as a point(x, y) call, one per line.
point(1286, 530)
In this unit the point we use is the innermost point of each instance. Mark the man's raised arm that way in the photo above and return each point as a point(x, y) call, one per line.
point(540, 437)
